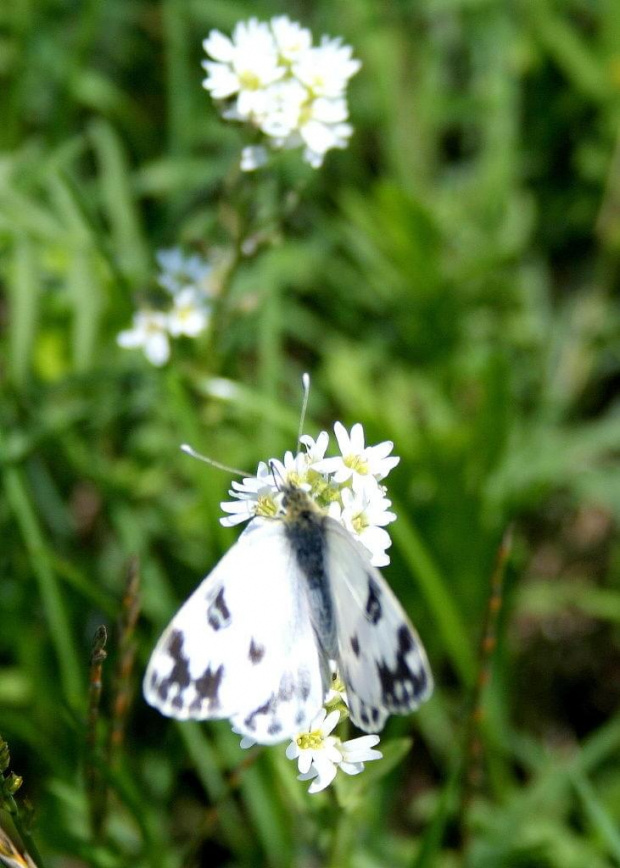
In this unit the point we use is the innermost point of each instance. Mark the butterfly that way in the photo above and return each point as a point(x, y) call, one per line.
point(254, 642)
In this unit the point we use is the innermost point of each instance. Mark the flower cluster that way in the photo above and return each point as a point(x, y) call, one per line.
point(270, 76)
point(346, 487)
point(187, 281)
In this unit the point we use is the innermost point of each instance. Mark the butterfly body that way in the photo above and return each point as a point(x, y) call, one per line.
point(254, 641)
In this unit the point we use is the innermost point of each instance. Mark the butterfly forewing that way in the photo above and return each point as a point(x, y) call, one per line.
point(243, 646)
point(380, 656)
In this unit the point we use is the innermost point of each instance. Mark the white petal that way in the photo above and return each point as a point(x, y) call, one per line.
point(219, 47)
point(292, 751)
point(304, 760)
point(157, 349)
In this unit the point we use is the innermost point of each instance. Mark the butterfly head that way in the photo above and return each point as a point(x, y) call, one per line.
point(297, 503)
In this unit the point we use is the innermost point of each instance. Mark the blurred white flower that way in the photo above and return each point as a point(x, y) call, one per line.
point(326, 69)
point(178, 271)
point(270, 76)
point(291, 38)
point(188, 280)
point(244, 65)
point(148, 333)
point(189, 314)
point(253, 157)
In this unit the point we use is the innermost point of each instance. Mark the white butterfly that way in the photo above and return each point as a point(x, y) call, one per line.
point(254, 641)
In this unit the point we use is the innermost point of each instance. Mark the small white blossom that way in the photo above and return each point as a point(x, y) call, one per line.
point(315, 449)
point(245, 65)
point(189, 314)
point(253, 157)
point(270, 76)
point(320, 754)
point(365, 512)
point(178, 271)
point(357, 751)
point(291, 38)
point(254, 496)
point(317, 749)
point(326, 69)
point(357, 461)
point(148, 333)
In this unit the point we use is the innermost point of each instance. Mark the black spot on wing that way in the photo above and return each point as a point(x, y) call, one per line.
point(257, 652)
point(179, 675)
point(268, 707)
point(293, 686)
point(355, 645)
point(403, 687)
point(373, 603)
point(218, 613)
point(287, 687)
point(304, 684)
point(208, 685)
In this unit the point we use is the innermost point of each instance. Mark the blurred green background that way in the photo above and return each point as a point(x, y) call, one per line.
point(451, 282)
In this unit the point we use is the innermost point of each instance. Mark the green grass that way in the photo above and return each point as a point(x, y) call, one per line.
point(451, 281)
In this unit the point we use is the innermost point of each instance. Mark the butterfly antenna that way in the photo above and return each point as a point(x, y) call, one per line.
point(278, 479)
point(189, 451)
point(305, 382)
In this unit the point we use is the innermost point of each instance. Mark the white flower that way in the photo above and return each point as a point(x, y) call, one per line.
point(319, 754)
point(179, 271)
point(323, 127)
point(365, 512)
point(255, 495)
point(292, 39)
point(282, 110)
point(316, 749)
point(244, 65)
point(315, 449)
point(149, 333)
point(358, 751)
point(358, 462)
point(189, 314)
point(326, 70)
point(253, 157)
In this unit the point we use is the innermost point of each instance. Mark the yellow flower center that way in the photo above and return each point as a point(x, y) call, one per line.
point(357, 463)
point(310, 740)
point(359, 523)
point(295, 479)
point(249, 80)
point(266, 506)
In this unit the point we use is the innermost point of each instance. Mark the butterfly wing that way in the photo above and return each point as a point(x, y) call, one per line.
point(380, 656)
point(243, 646)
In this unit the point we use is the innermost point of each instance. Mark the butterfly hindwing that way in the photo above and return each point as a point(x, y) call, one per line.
point(380, 656)
point(242, 646)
